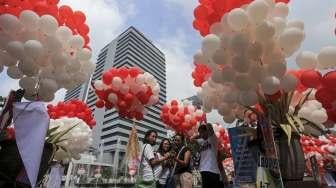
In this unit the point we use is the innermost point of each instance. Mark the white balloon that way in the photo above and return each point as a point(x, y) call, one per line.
point(210, 44)
point(254, 51)
point(291, 39)
point(76, 42)
point(33, 49)
point(319, 116)
point(153, 100)
point(270, 85)
point(88, 67)
point(84, 54)
point(279, 24)
point(14, 72)
point(216, 76)
point(116, 82)
point(29, 84)
point(10, 24)
point(29, 19)
point(220, 57)
point(224, 109)
point(239, 43)
point(265, 31)
point(230, 97)
point(124, 89)
point(4, 40)
point(63, 33)
point(288, 83)
point(258, 72)
point(73, 66)
point(48, 86)
point(216, 28)
point(248, 98)
point(52, 44)
point(199, 58)
point(16, 49)
point(59, 60)
point(257, 10)
point(277, 69)
point(296, 24)
point(113, 98)
point(244, 82)
point(326, 57)
point(228, 74)
point(6, 59)
point(156, 89)
point(80, 77)
point(281, 10)
point(28, 68)
point(306, 60)
point(237, 19)
point(99, 85)
point(48, 24)
point(241, 64)
point(46, 96)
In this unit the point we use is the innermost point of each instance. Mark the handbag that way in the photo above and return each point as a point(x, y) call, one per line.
point(140, 182)
point(170, 182)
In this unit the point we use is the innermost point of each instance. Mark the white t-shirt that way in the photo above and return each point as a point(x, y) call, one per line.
point(208, 150)
point(148, 154)
point(161, 173)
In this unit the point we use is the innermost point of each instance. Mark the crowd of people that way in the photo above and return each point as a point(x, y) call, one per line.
point(170, 166)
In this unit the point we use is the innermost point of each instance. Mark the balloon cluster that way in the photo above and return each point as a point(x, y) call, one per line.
point(128, 90)
point(313, 111)
point(323, 60)
point(208, 15)
point(72, 109)
point(223, 138)
point(181, 117)
point(246, 54)
point(75, 141)
point(324, 149)
point(37, 49)
point(74, 20)
point(200, 74)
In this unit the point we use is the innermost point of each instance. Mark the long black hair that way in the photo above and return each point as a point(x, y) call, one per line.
point(147, 134)
point(160, 150)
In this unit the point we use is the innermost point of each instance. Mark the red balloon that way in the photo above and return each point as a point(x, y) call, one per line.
point(123, 72)
point(109, 105)
point(65, 11)
point(107, 78)
point(174, 102)
point(83, 29)
point(174, 109)
point(165, 108)
point(329, 79)
point(325, 96)
point(100, 103)
point(52, 2)
point(311, 78)
point(79, 17)
point(201, 12)
point(134, 72)
point(41, 8)
point(86, 39)
point(129, 97)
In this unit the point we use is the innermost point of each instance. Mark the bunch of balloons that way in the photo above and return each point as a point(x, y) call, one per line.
point(247, 54)
point(229, 168)
point(71, 109)
point(223, 138)
point(76, 140)
point(200, 74)
point(74, 20)
point(129, 90)
point(181, 117)
point(40, 48)
point(324, 149)
point(209, 13)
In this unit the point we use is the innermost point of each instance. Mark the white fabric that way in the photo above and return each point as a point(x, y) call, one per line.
point(148, 154)
point(157, 168)
point(160, 173)
point(208, 152)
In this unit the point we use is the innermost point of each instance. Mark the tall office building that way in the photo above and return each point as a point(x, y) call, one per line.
point(131, 48)
point(79, 92)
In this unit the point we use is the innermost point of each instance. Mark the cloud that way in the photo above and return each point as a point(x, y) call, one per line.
point(178, 65)
point(185, 6)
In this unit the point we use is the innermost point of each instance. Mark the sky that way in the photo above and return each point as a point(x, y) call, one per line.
point(168, 24)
